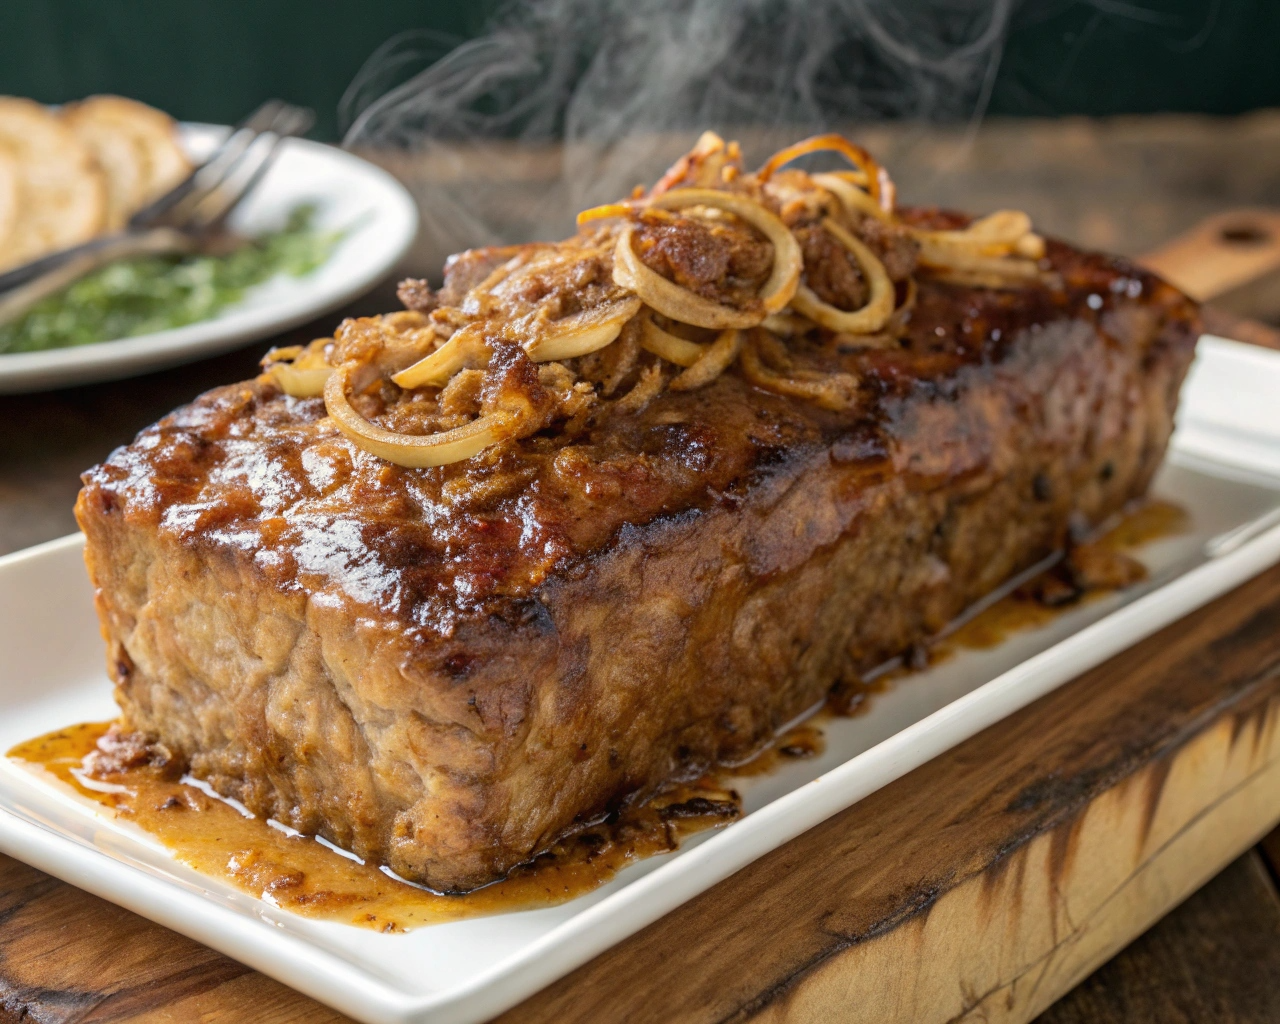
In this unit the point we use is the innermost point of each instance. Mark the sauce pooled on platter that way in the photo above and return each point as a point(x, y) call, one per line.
point(221, 839)
point(308, 877)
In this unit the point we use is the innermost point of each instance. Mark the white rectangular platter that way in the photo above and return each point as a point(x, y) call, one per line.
point(1223, 468)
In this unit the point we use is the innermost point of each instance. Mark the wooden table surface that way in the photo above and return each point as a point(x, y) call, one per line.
point(795, 935)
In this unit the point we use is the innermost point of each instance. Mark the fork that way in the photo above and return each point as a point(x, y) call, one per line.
point(181, 221)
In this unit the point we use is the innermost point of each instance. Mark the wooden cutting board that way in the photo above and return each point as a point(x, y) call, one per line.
point(981, 886)
point(1232, 262)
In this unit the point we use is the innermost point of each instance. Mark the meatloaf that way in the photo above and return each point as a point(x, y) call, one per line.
point(447, 667)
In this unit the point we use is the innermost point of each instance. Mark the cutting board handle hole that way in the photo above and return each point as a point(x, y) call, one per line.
point(1245, 234)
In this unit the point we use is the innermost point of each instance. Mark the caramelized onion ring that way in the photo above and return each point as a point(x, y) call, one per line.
point(582, 332)
point(300, 383)
point(943, 257)
point(903, 312)
point(669, 298)
point(852, 198)
point(299, 371)
point(835, 391)
point(285, 352)
point(995, 234)
point(716, 358)
point(668, 346)
point(879, 307)
point(786, 324)
point(604, 212)
point(466, 345)
point(677, 303)
point(1031, 246)
point(878, 181)
point(411, 450)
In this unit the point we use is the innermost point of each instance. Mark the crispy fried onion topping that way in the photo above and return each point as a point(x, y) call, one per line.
point(300, 370)
point(998, 251)
point(767, 364)
point(562, 334)
point(677, 303)
point(870, 174)
point(412, 450)
point(879, 307)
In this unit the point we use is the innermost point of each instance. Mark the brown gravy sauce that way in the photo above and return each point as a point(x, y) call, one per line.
point(796, 744)
point(301, 874)
point(1091, 570)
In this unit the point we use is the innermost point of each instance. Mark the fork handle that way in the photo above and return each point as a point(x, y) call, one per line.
point(56, 272)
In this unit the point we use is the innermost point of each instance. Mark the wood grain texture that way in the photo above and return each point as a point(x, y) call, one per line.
point(1216, 959)
point(992, 879)
point(1270, 850)
point(982, 885)
point(70, 958)
point(1230, 258)
point(1228, 325)
point(1220, 254)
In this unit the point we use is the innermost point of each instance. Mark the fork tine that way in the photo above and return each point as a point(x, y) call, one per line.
point(214, 206)
point(209, 175)
point(200, 202)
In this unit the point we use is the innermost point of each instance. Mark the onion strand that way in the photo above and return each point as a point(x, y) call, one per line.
point(583, 332)
point(852, 198)
point(299, 371)
point(668, 346)
point(465, 346)
point(717, 358)
point(941, 257)
point(412, 451)
point(604, 212)
point(679, 303)
point(997, 233)
point(877, 181)
point(879, 306)
point(834, 391)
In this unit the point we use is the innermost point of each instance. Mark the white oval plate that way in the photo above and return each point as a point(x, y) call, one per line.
point(381, 221)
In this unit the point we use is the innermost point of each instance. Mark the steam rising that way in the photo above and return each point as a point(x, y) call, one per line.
point(627, 85)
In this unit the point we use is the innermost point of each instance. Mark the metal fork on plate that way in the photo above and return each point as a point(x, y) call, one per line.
point(182, 220)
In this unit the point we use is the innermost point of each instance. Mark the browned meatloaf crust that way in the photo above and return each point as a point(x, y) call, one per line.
point(446, 676)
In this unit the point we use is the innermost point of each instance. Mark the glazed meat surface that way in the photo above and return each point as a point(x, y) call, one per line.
point(445, 669)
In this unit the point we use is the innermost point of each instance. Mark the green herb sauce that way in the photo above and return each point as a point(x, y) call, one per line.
point(155, 293)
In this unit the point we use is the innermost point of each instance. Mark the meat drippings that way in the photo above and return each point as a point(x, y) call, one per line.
point(222, 840)
point(796, 744)
point(1088, 570)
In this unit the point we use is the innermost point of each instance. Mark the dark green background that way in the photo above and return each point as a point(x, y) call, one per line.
point(214, 61)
